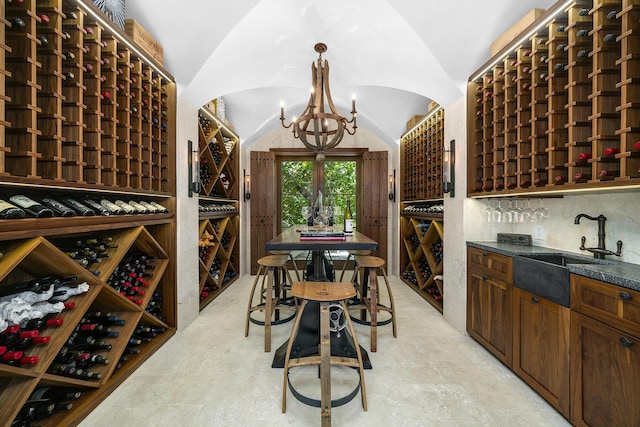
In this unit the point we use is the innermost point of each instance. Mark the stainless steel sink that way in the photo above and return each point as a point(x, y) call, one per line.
point(546, 275)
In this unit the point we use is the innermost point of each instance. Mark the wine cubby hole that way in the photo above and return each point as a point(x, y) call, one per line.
point(421, 153)
point(421, 257)
point(219, 158)
point(218, 256)
point(77, 106)
point(561, 110)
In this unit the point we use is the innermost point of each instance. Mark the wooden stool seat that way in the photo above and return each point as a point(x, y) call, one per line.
point(370, 265)
point(353, 253)
point(326, 294)
point(290, 256)
point(271, 296)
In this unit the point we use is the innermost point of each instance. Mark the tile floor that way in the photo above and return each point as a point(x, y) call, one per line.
point(431, 375)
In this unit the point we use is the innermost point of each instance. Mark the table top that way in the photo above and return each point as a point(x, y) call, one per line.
point(289, 240)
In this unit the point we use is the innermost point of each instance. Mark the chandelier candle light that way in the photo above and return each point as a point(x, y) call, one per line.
point(318, 130)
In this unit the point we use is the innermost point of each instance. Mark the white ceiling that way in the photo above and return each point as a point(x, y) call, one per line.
point(395, 56)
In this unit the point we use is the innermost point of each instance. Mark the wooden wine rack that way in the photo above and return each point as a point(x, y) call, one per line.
point(421, 153)
point(219, 230)
point(84, 114)
point(420, 268)
point(560, 111)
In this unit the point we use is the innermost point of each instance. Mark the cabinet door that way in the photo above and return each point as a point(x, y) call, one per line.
point(541, 347)
point(605, 368)
point(489, 314)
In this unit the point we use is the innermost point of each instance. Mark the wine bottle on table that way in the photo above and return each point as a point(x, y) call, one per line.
point(348, 218)
point(31, 206)
point(9, 211)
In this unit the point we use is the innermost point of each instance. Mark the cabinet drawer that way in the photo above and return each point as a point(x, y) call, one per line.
point(611, 304)
point(498, 266)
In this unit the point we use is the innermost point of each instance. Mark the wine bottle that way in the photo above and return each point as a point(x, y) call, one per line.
point(113, 208)
point(127, 208)
point(610, 151)
point(55, 393)
point(17, 24)
point(97, 207)
point(584, 156)
point(609, 174)
point(80, 208)
point(348, 218)
point(637, 145)
point(582, 33)
point(158, 206)
point(525, 183)
point(582, 177)
point(9, 211)
point(58, 207)
point(149, 206)
point(560, 179)
point(43, 40)
point(139, 207)
point(39, 286)
point(31, 206)
point(610, 37)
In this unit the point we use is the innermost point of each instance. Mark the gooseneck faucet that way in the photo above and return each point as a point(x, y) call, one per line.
point(601, 250)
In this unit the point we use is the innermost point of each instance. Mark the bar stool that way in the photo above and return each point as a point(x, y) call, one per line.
point(327, 294)
point(370, 266)
point(271, 296)
point(353, 253)
point(293, 261)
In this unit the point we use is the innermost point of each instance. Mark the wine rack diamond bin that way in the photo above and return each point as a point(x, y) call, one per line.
point(421, 257)
point(218, 158)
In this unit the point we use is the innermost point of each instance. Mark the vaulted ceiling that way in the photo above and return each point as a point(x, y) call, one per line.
point(395, 56)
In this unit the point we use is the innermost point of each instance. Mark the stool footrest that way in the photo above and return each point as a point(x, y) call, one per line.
point(315, 360)
point(317, 403)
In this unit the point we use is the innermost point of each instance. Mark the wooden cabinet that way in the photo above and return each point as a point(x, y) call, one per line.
point(84, 115)
point(541, 347)
point(605, 354)
point(489, 302)
point(421, 256)
point(219, 207)
point(557, 112)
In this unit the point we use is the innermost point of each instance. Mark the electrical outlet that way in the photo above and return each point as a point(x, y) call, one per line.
point(539, 233)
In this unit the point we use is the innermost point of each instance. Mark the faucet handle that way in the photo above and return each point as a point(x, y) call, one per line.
point(618, 248)
point(583, 240)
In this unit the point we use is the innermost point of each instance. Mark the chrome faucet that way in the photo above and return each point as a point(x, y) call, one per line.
point(601, 250)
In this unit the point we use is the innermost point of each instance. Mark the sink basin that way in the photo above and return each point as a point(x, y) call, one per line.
point(546, 275)
point(560, 259)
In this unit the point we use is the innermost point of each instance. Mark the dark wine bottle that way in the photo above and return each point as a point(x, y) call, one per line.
point(80, 208)
point(97, 207)
point(17, 24)
point(9, 211)
point(38, 286)
point(31, 206)
point(58, 207)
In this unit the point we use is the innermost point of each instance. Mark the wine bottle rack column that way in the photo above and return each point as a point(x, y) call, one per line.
point(501, 102)
point(4, 74)
point(421, 257)
point(505, 157)
point(92, 150)
point(520, 152)
point(629, 108)
point(539, 107)
point(123, 122)
point(50, 55)
point(557, 100)
point(579, 88)
point(605, 120)
point(22, 88)
point(421, 153)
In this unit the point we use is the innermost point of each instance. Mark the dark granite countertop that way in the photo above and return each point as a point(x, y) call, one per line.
point(609, 270)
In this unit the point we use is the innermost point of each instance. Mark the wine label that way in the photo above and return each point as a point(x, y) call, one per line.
point(23, 201)
point(348, 226)
point(6, 205)
point(127, 207)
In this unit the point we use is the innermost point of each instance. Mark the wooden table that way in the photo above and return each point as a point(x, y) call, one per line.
point(306, 341)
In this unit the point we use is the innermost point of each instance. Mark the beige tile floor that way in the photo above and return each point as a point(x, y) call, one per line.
point(431, 375)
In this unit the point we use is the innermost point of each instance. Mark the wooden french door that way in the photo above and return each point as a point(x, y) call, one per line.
point(372, 201)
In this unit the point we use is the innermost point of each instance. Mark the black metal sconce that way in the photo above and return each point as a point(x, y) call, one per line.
point(448, 169)
point(392, 186)
point(194, 169)
point(247, 185)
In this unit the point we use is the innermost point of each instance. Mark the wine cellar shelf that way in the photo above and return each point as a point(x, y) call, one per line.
point(218, 201)
point(559, 110)
point(87, 120)
point(421, 255)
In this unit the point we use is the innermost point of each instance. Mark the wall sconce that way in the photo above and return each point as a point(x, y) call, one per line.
point(194, 169)
point(392, 186)
point(448, 169)
point(247, 185)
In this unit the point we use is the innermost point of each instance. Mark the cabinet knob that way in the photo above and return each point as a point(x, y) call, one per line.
point(626, 342)
point(484, 278)
point(625, 296)
point(535, 299)
point(484, 254)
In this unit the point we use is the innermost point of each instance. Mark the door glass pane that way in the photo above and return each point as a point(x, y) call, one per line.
point(340, 186)
point(297, 189)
